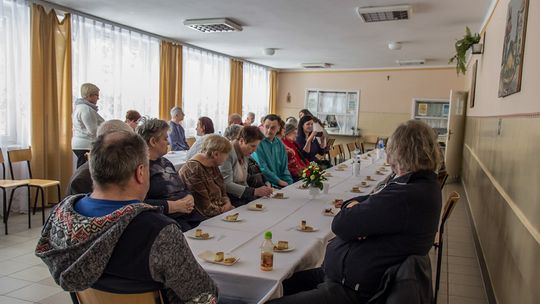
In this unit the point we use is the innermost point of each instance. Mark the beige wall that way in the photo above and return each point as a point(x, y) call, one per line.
point(501, 169)
point(384, 103)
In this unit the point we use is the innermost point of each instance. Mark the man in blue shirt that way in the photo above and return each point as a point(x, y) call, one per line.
point(177, 135)
point(271, 154)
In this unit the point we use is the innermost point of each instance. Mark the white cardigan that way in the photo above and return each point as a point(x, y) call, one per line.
point(85, 123)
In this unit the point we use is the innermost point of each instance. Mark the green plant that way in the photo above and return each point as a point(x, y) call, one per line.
point(462, 46)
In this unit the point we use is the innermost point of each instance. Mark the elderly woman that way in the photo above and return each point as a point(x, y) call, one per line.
point(204, 126)
point(307, 140)
point(203, 178)
point(165, 183)
point(85, 119)
point(235, 168)
point(297, 161)
point(378, 231)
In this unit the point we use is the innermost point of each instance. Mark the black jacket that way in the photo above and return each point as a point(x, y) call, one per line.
point(383, 230)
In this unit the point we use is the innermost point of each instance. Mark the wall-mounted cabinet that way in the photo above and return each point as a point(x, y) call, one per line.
point(338, 110)
point(434, 112)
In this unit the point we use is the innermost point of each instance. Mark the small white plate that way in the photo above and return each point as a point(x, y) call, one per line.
point(291, 248)
point(313, 229)
point(333, 212)
point(238, 219)
point(208, 256)
point(364, 186)
point(358, 191)
point(252, 207)
point(192, 236)
point(283, 197)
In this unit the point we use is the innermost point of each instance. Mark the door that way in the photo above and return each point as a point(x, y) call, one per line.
point(456, 132)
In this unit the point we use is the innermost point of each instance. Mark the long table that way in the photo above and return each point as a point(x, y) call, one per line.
point(244, 280)
point(177, 158)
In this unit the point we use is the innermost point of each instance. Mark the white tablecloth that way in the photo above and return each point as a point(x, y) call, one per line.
point(245, 280)
point(177, 158)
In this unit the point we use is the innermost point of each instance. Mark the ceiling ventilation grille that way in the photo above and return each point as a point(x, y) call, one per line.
point(384, 13)
point(411, 62)
point(215, 25)
point(321, 65)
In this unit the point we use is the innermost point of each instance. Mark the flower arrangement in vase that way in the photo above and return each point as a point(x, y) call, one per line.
point(313, 176)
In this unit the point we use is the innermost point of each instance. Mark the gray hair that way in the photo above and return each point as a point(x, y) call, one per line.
point(88, 89)
point(232, 131)
point(113, 125)
point(215, 143)
point(235, 117)
point(175, 111)
point(413, 147)
point(115, 157)
point(151, 127)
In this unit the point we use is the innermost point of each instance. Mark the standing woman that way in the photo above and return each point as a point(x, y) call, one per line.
point(85, 122)
point(307, 140)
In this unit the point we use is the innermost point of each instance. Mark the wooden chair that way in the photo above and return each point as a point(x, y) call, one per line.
point(6, 184)
point(369, 142)
point(351, 147)
point(25, 155)
point(442, 176)
point(94, 296)
point(333, 154)
point(453, 198)
point(330, 142)
point(190, 141)
point(341, 152)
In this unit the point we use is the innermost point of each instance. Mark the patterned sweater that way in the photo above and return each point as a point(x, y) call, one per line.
point(207, 187)
point(133, 249)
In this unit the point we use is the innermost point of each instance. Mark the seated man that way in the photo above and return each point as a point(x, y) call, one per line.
point(271, 155)
point(177, 135)
point(378, 231)
point(109, 240)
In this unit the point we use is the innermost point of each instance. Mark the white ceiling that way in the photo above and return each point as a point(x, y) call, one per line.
point(303, 31)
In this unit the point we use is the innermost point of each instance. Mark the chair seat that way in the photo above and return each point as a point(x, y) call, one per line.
point(5, 183)
point(43, 183)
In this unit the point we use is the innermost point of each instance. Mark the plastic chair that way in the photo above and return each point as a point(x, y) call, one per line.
point(6, 184)
point(453, 198)
point(94, 296)
point(25, 155)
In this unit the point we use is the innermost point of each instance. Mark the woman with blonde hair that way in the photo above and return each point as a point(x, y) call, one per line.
point(202, 176)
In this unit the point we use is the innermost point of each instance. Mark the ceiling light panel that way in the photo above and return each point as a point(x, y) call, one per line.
point(384, 13)
point(214, 25)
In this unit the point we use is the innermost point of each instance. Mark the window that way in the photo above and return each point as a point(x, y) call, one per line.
point(338, 110)
point(14, 73)
point(256, 91)
point(122, 63)
point(205, 86)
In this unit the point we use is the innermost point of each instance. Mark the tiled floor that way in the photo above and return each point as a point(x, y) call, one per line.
point(25, 279)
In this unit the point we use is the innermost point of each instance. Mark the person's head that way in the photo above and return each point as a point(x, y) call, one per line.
point(305, 125)
point(235, 119)
point(290, 132)
point(119, 162)
point(250, 119)
point(132, 117)
point(154, 133)
point(204, 126)
point(413, 147)
point(249, 138)
point(177, 114)
point(216, 148)
point(111, 126)
point(291, 120)
point(90, 92)
point(281, 132)
point(304, 112)
point(232, 131)
point(271, 126)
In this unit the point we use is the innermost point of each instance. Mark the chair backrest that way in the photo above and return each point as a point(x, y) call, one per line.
point(94, 296)
point(2, 163)
point(190, 141)
point(333, 154)
point(448, 207)
point(369, 141)
point(15, 156)
point(330, 142)
point(351, 147)
point(442, 176)
point(341, 151)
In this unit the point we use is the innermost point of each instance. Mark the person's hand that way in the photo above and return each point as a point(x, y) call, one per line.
point(312, 135)
point(228, 206)
point(338, 203)
point(183, 205)
point(282, 183)
point(352, 204)
point(263, 191)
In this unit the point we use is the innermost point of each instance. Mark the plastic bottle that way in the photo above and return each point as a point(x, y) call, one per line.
point(267, 252)
point(380, 149)
point(356, 166)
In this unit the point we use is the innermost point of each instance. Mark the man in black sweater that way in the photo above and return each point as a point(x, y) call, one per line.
point(380, 230)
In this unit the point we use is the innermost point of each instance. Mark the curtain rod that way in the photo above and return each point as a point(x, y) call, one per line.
point(130, 28)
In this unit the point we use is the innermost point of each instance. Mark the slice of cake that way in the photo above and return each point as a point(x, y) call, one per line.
point(219, 256)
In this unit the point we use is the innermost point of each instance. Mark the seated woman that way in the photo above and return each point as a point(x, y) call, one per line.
point(235, 168)
point(297, 162)
point(165, 183)
point(380, 230)
point(203, 178)
point(307, 140)
point(204, 126)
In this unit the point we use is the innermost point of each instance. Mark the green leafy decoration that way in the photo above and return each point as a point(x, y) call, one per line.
point(462, 46)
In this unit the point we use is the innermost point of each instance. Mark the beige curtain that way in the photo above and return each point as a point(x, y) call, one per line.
point(51, 96)
point(273, 92)
point(235, 95)
point(170, 78)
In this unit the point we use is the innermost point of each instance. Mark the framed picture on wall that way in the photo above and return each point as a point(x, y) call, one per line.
point(513, 48)
point(472, 90)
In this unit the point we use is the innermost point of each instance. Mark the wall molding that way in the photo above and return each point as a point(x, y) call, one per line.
point(515, 115)
point(517, 212)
